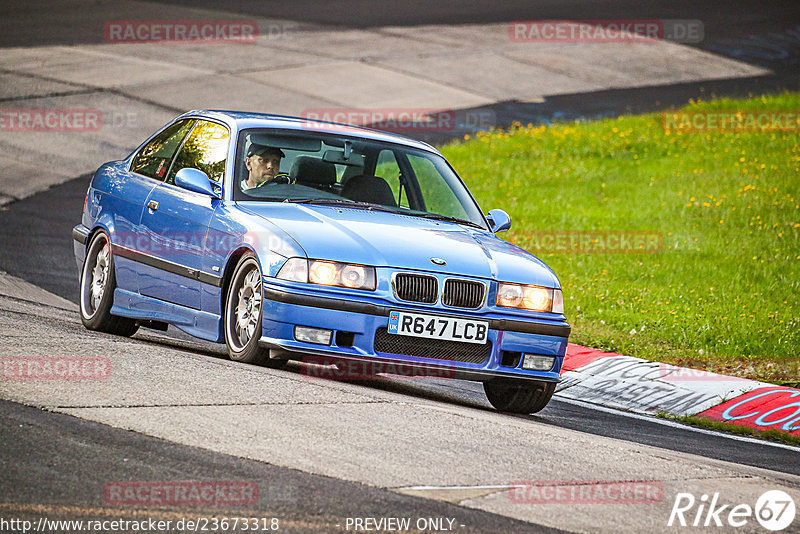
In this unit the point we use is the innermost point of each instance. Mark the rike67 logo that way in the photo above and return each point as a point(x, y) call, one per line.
point(774, 510)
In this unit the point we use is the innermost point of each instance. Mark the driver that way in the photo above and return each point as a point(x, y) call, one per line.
point(263, 164)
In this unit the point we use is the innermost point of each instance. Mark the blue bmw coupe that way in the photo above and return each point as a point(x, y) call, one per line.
point(288, 239)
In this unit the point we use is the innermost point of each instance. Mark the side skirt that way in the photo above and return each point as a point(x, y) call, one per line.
point(196, 323)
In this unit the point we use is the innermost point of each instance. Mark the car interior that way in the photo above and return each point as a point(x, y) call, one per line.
point(336, 166)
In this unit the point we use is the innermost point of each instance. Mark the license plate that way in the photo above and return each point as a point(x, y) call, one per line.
point(435, 327)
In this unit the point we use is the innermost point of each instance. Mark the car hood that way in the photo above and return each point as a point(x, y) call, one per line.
point(400, 241)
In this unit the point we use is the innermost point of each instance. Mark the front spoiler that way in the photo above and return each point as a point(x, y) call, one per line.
point(399, 367)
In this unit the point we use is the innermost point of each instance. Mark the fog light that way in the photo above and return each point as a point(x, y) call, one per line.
point(538, 362)
point(319, 336)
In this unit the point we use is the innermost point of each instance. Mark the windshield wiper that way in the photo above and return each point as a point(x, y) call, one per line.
point(447, 218)
point(319, 200)
point(336, 201)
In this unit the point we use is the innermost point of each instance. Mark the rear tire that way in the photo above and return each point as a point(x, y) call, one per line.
point(243, 311)
point(98, 283)
point(520, 397)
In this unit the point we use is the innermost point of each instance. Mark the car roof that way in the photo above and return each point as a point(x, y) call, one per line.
point(241, 120)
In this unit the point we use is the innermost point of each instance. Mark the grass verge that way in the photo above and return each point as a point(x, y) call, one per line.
point(716, 284)
point(702, 422)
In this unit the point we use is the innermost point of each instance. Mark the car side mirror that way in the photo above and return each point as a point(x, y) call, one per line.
point(499, 221)
point(197, 181)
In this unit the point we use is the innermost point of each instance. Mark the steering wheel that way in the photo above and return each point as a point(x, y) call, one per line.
point(281, 178)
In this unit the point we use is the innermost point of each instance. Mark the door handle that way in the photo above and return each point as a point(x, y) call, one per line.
point(153, 205)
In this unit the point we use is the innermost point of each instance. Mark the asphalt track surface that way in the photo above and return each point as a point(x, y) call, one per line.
point(766, 34)
point(730, 28)
point(723, 19)
point(66, 462)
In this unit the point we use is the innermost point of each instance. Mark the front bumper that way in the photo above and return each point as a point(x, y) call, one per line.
point(355, 323)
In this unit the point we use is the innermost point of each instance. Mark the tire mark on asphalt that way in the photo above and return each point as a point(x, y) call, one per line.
point(85, 89)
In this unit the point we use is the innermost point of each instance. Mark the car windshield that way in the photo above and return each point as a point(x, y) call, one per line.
point(304, 167)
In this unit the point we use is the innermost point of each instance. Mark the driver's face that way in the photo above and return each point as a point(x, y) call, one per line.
point(263, 167)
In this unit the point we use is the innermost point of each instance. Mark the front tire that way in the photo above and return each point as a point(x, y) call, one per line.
point(98, 283)
point(243, 310)
point(522, 398)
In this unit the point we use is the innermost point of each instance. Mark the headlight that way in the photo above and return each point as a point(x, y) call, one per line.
point(323, 272)
point(328, 273)
point(534, 298)
point(355, 276)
